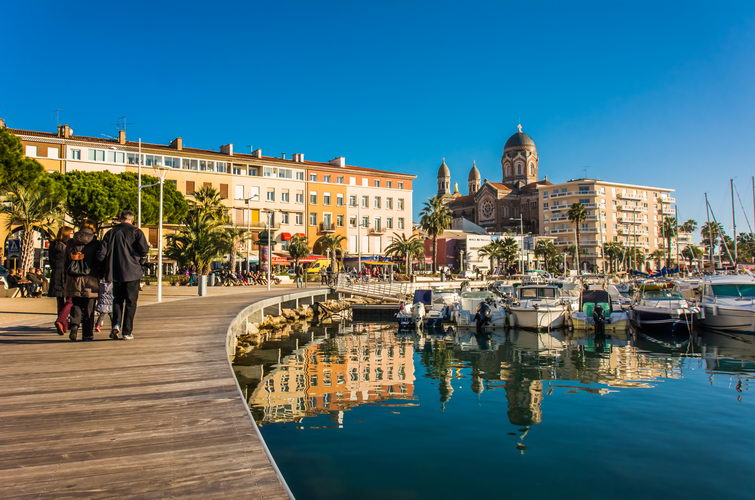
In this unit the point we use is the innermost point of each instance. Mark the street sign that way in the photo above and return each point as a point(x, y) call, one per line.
point(13, 248)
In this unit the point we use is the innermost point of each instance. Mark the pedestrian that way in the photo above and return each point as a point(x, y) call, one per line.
point(298, 272)
point(323, 275)
point(122, 251)
point(82, 281)
point(104, 305)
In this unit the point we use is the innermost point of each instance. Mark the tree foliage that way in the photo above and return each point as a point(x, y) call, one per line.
point(298, 248)
point(577, 214)
point(434, 219)
point(15, 168)
point(405, 249)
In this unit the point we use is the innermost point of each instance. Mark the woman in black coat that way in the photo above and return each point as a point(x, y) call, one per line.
point(57, 258)
point(82, 282)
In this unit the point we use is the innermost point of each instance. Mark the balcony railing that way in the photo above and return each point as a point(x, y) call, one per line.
point(629, 196)
point(377, 230)
point(667, 199)
point(632, 208)
point(326, 228)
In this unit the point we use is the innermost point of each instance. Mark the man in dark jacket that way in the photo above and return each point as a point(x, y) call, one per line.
point(123, 249)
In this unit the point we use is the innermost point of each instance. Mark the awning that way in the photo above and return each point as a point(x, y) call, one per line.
point(285, 236)
point(301, 235)
point(280, 261)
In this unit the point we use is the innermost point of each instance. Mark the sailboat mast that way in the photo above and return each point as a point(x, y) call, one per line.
point(710, 236)
point(676, 216)
point(733, 220)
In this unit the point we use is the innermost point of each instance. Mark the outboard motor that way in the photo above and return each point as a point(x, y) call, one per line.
point(484, 314)
point(599, 319)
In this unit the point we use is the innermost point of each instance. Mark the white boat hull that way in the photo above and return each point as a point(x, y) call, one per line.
point(619, 322)
point(541, 318)
point(736, 320)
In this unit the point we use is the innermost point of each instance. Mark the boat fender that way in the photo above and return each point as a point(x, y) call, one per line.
point(714, 310)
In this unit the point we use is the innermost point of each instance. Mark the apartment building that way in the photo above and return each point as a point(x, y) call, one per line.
point(293, 196)
point(625, 213)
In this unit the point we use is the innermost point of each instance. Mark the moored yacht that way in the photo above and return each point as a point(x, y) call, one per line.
point(464, 312)
point(616, 319)
point(728, 304)
point(660, 307)
point(538, 307)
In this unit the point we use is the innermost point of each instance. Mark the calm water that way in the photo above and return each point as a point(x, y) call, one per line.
point(370, 413)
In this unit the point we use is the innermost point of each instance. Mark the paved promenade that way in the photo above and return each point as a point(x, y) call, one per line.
point(160, 416)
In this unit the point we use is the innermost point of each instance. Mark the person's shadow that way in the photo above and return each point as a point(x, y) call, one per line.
point(33, 335)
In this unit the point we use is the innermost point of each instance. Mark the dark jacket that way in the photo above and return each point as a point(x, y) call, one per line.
point(122, 251)
point(57, 257)
point(87, 286)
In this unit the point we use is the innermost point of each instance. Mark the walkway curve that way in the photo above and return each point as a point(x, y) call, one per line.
point(160, 416)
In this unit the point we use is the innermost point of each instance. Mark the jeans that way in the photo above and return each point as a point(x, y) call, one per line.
point(82, 314)
point(125, 296)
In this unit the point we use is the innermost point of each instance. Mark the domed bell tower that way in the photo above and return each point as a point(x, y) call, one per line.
point(444, 179)
point(519, 163)
point(473, 179)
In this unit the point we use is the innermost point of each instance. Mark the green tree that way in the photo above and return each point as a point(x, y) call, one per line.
point(688, 226)
point(692, 253)
point(333, 243)
point(711, 232)
point(175, 205)
point(577, 214)
point(33, 209)
point(15, 168)
point(297, 248)
point(668, 230)
point(404, 249)
point(96, 197)
point(232, 238)
point(434, 219)
point(658, 256)
point(614, 251)
point(546, 250)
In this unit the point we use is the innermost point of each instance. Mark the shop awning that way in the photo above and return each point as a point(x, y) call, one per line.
point(301, 235)
point(285, 236)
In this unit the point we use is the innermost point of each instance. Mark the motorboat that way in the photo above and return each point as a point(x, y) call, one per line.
point(466, 311)
point(661, 307)
point(616, 319)
point(411, 316)
point(538, 307)
point(728, 303)
point(437, 304)
point(620, 295)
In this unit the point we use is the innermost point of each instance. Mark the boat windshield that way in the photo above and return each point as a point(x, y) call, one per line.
point(662, 294)
point(734, 290)
point(536, 293)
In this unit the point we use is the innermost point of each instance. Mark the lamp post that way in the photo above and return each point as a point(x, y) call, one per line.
point(268, 224)
point(139, 186)
point(255, 197)
point(521, 242)
point(161, 171)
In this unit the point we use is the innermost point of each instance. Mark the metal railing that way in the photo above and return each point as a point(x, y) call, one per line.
point(373, 288)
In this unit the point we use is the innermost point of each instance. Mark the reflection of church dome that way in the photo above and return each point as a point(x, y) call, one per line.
point(518, 140)
point(443, 170)
point(474, 174)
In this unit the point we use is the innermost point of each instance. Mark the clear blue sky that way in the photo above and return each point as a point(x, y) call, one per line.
point(639, 92)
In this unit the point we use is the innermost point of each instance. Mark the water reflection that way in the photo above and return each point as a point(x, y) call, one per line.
point(330, 371)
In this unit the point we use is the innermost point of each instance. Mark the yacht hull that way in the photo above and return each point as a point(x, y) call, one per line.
point(542, 318)
point(619, 322)
point(662, 321)
point(728, 319)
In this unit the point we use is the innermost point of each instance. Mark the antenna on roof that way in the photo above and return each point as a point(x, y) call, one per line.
point(122, 123)
point(57, 116)
point(251, 148)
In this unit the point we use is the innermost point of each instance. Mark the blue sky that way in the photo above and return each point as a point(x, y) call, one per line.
point(640, 92)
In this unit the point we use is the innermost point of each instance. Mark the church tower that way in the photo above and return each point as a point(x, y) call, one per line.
point(519, 162)
point(444, 179)
point(473, 179)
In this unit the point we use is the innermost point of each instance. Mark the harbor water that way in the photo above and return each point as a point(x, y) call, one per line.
point(365, 411)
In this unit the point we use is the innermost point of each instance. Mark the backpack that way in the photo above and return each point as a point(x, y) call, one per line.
point(78, 266)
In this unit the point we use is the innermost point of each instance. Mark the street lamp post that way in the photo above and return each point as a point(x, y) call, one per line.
point(139, 186)
point(521, 242)
point(161, 173)
point(268, 224)
point(256, 197)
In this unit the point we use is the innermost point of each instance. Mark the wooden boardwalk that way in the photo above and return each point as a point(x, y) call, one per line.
point(160, 416)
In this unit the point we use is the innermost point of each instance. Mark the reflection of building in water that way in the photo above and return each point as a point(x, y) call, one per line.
point(334, 374)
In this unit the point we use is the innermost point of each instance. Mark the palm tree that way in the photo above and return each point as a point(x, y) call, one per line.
point(710, 232)
point(207, 200)
point(332, 243)
point(636, 256)
point(613, 250)
point(297, 248)
point(547, 250)
point(688, 226)
point(509, 250)
point(491, 251)
point(405, 249)
point(33, 209)
point(571, 251)
point(658, 256)
point(577, 214)
point(668, 229)
point(692, 253)
point(435, 218)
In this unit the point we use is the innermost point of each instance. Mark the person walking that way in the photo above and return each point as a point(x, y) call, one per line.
point(298, 272)
point(82, 282)
point(122, 251)
point(57, 259)
point(104, 305)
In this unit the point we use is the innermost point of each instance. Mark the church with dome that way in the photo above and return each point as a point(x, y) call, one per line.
point(493, 205)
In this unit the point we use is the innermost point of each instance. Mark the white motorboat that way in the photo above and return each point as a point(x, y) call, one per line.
point(538, 307)
point(464, 312)
point(728, 304)
point(660, 307)
point(616, 319)
point(411, 316)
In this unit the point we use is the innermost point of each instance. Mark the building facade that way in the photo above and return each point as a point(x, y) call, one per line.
point(624, 213)
point(293, 196)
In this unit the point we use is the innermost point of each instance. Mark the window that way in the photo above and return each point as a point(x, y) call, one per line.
point(172, 162)
point(339, 220)
point(75, 154)
point(378, 224)
point(236, 170)
point(284, 196)
point(312, 218)
point(339, 180)
point(401, 185)
point(220, 166)
point(326, 178)
point(352, 201)
point(32, 151)
point(352, 222)
point(116, 157)
point(312, 177)
point(353, 181)
point(389, 203)
point(312, 198)
point(299, 218)
point(152, 160)
point(389, 223)
point(189, 164)
point(376, 202)
point(96, 155)
point(376, 183)
point(224, 191)
point(365, 202)
point(400, 204)
point(327, 221)
point(284, 217)
point(270, 195)
point(238, 192)
point(365, 222)
point(339, 199)
point(299, 175)
point(52, 152)
point(401, 223)
point(190, 188)
point(326, 198)
point(299, 197)
point(365, 181)
point(205, 165)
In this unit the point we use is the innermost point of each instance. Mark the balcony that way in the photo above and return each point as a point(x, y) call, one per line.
point(377, 230)
point(629, 196)
point(667, 199)
point(632, 208)
point(624, 219)
point(326, 228)
point(667, 211)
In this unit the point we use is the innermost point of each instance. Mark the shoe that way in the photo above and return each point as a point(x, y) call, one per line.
point(128, 336)
point(88, 339)
point(114, 335)
point(60, 328)
point(72, 335)
point(97, 328)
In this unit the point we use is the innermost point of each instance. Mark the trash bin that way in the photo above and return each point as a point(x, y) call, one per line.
point(212, 280)
point(202, 285)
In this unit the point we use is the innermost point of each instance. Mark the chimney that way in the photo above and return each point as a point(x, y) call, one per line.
point(177, 143)
point(299, 157)
point(257, 153)
point(283, 156)
point(339, 161)
point(65, 131)
point(121, 137)
point(545, 178)
point(227, 149)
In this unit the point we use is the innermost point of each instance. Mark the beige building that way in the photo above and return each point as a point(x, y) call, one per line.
point(624, 213)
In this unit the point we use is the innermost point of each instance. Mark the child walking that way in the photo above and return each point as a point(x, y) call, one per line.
point(104, 305)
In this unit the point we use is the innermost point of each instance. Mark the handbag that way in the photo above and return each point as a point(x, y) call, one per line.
point(78, 266)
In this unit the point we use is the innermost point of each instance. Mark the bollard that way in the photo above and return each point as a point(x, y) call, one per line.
point(202, 285)
point(212, 280)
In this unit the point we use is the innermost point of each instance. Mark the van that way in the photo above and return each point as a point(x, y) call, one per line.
point(318, 265)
